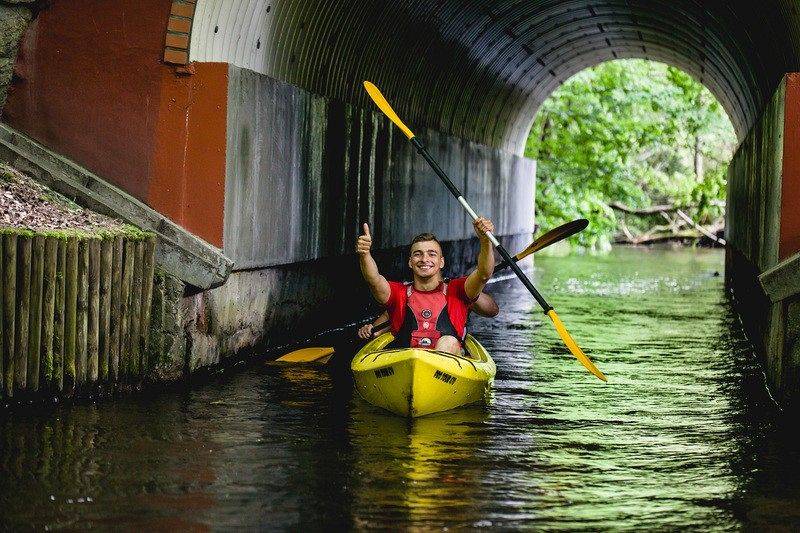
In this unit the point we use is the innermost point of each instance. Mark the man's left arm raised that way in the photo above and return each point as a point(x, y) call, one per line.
point(477, 280)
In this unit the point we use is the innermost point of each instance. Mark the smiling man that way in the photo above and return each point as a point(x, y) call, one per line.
point(428, 312)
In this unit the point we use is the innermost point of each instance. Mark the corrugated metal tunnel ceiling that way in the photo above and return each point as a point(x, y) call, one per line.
point(480, 70)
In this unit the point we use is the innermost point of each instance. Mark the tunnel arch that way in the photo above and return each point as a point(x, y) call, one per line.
point(481, 70)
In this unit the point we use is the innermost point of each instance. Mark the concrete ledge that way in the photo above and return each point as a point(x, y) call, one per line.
point(783, 280)
point(178, 252)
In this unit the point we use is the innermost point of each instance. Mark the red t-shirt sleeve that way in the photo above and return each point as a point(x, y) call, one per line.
point(458, 304)
point(456, 287)
point(396, 291)
point(395, 287)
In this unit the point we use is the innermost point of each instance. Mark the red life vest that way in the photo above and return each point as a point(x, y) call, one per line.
point(421, 318)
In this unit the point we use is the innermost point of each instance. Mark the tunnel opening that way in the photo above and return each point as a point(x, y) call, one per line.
point(638, 147)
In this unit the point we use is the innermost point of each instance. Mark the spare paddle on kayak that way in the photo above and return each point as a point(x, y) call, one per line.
point(387, 110)
point(316, 355)
point(321, 355)
point(308, 355)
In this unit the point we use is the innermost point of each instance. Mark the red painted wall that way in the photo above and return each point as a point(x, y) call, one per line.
point(790, 184)
point(187, 180)
point(92, 87)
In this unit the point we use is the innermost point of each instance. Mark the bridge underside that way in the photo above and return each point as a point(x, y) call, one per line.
point(238, 119)
point(480, 70)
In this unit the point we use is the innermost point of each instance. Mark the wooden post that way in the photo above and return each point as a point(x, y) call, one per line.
point(93, 343)
point(116, 306)
point(23, 311)
point(48, 310)
point(59, 315)
point(148, 272)
point(125, 295)
point(35, 320)
point(106, 255)
point(71, 314)
point(135, 309)
point(9, 309)
point(81, 333)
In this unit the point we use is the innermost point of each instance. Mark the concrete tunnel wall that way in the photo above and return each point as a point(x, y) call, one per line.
point(303, 172)
point(762, 231)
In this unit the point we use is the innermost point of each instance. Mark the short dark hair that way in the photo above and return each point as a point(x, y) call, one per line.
point(422, 237)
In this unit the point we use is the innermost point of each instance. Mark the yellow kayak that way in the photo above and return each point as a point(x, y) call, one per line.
point(416, 382)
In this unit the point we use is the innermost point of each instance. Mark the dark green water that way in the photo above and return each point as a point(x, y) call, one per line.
point(683, 435)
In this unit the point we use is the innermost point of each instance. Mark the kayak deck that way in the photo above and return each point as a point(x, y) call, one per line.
point(416, 382)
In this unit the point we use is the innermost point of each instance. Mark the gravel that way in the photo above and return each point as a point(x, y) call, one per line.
point(26, 204)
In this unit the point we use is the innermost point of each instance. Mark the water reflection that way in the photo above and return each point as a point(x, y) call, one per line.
point(421, 471)
point(683, 436)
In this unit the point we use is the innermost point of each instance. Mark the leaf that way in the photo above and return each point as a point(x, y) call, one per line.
point(624, 131)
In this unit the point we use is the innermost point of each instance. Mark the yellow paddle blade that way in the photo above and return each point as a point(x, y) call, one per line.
point(381, 102)
point(573, 347)
point(307, 355)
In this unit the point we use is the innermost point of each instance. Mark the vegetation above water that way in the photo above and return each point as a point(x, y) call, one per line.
point(28, 207)
point(632, 134)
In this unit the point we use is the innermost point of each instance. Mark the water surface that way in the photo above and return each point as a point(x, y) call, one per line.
point(683, 435)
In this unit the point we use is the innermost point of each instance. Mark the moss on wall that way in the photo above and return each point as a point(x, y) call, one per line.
point(15, 15)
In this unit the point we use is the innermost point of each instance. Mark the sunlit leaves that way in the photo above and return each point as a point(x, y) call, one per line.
point(628, 131)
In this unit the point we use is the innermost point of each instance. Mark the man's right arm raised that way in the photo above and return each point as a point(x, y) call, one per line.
point(369, 269)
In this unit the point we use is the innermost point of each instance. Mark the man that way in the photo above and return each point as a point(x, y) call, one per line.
point(428, 312)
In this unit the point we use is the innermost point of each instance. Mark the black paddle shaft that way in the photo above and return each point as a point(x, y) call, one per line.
point(503, 252)
point(502, 266)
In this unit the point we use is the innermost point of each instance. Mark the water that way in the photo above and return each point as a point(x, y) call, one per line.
point(683, 435)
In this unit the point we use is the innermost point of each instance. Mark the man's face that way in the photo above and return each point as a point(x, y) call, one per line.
point(426, 259)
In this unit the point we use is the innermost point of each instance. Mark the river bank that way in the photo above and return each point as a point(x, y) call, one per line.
point(75, 296)
point(26, 205)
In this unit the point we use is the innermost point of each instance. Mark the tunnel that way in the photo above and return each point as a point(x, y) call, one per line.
point(244, 124)
point(480, 70)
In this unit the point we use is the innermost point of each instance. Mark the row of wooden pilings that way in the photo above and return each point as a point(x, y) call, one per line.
point(75, 310)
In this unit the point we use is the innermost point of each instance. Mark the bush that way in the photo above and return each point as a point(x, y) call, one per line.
point(632, 131)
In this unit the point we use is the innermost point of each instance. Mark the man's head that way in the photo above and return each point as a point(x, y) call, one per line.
point(425, 256)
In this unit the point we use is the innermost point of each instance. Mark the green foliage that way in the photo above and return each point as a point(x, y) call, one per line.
point(629, 131)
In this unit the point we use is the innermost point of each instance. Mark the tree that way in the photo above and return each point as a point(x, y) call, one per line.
point(634, 132)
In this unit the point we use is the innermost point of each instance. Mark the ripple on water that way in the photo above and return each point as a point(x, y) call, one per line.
point(682, 436)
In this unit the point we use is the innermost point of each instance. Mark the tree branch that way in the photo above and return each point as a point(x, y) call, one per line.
point(652, 210)
point(660, 233)
point(700, 228)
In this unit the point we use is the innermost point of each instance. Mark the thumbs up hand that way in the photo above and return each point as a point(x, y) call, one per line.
point(364, 242)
